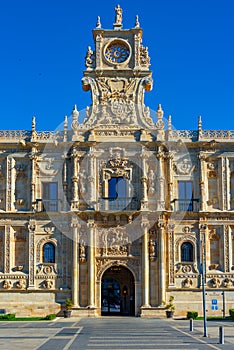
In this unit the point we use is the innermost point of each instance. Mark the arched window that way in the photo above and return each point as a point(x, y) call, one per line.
point(48, 253)
point(187, 252)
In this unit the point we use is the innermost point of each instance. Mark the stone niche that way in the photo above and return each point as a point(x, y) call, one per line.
point(20, 258)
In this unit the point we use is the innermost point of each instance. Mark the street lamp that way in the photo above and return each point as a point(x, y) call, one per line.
point(203, 272)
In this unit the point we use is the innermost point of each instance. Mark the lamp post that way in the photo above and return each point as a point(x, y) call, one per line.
point(203, 272)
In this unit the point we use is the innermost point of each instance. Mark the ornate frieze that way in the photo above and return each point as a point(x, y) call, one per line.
point(113, 241)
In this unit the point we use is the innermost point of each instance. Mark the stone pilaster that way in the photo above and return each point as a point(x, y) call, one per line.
point(204, 246)
point(65, 183)
point(75, 193)
point(11, 178)
point(225, 184)
point(162, 267)
point(7, 250)
point(98, 45)
point(75, 272)
point(160, 180)
point(32, 252)
point(144, 198)
point(33, 184)
point(145, 264)
point(227, 248)
point(202, 179)
point(92, 177)
point(91, 264)
point(171, 258)
point(170, 157)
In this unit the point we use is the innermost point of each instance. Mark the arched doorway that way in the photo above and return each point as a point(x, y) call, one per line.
point(118, 292)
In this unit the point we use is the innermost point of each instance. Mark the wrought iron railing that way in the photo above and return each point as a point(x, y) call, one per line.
point(186, 205)
point(127, 203)
point(47, 204)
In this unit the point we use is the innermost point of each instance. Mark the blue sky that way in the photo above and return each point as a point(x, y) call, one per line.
point(44, 42)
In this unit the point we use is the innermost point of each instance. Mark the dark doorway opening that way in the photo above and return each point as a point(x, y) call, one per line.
point(118, 292)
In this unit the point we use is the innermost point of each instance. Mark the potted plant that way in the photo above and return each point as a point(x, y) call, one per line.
point(170, 307)
point(68, 307)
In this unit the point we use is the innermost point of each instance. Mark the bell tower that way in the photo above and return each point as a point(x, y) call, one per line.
point(117, 74)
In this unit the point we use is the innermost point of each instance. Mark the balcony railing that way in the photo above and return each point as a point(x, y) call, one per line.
point(186, 205)
point(47, 204)
point(127, 203)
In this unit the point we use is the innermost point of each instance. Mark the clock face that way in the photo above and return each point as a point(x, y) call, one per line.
point(117, 52)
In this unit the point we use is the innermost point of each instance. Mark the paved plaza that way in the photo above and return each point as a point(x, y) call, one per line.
point(113, 333)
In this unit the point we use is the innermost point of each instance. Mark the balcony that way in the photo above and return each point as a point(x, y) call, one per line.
point(191, 205)
point(47, 205)
point(113, 204)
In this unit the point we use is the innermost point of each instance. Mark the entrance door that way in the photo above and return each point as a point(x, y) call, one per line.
point(118, 294)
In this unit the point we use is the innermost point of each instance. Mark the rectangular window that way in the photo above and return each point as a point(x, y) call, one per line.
point(117, 188)
point(185, 196)
point(50, 196)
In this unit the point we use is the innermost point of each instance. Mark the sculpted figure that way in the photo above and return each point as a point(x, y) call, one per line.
point(89, 57)
point(21, 284)
point(6, 284)
point(118, 15)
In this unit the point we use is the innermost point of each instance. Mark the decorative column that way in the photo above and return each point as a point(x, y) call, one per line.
point(137, 44)
point(227, 242)
point(91, 178)
point(75, 193)
point(160, 178)
point(225, 183)
point(11, 178)
point(75, 280)
point(161, 255)
point(98, 47)
point(171, 255)
point(91, 264)
point(204, 248)
point(145, 264)
point(33, 158)
point(65, 183)
point(7, 252)
point(31, 262)
point(202, 159)
point(144, 199)
point(170, 158)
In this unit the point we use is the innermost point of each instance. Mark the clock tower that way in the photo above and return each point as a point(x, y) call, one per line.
point(117, 74)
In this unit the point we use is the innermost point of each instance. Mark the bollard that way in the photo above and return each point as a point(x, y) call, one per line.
point(191, 324)
point(221, 335)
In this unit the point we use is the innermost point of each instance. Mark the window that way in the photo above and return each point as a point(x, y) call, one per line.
point(48, 253)
point(117, 194)
point(117, 188)
point(187, 252)
point(50, 196)
point(185, 194)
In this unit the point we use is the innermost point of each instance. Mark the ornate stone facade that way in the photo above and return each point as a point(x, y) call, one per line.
point(117, 212)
